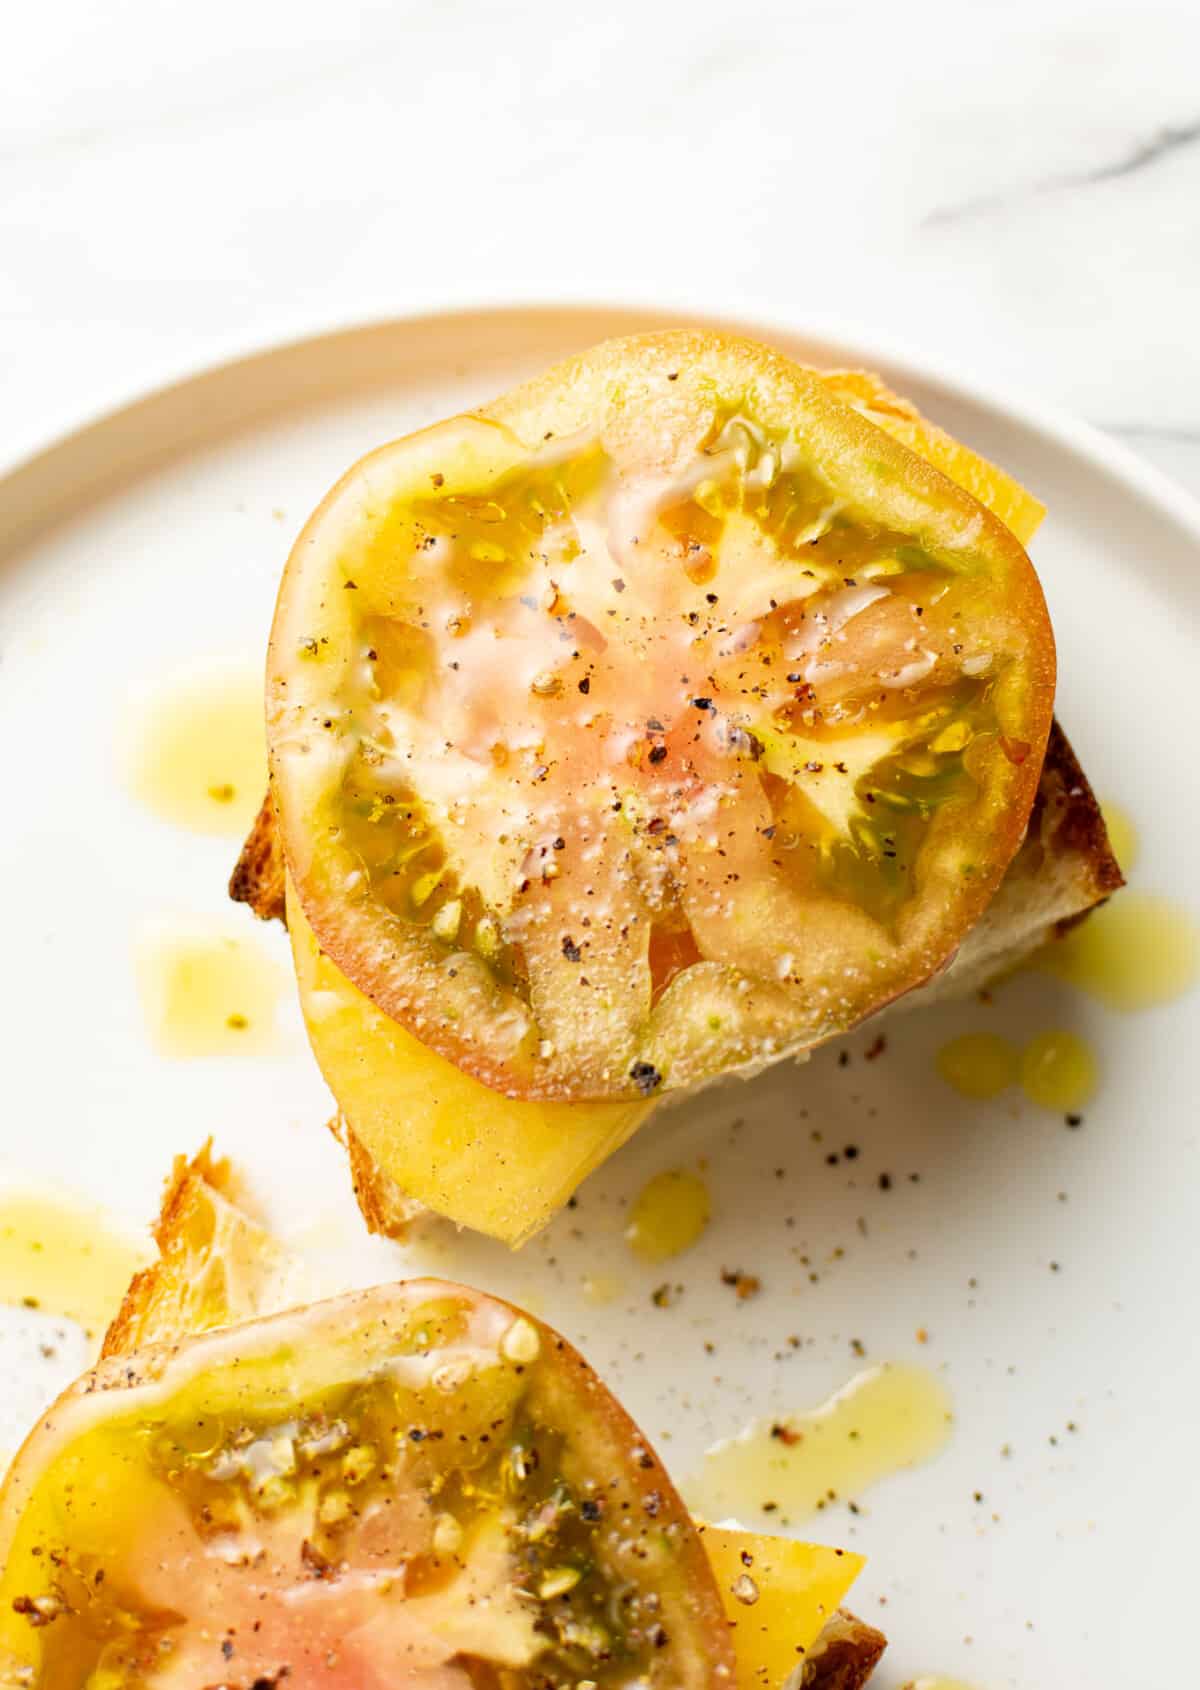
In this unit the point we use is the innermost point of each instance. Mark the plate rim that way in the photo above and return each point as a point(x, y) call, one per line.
point(1031, 413)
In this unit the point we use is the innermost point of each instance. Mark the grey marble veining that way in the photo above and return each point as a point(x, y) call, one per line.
point(1137, 157)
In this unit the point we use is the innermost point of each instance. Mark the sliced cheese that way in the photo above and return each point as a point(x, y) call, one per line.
point(481, 1159)
point(779, 1596)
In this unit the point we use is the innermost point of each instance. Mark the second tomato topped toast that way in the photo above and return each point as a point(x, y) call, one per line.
point(413, 1486)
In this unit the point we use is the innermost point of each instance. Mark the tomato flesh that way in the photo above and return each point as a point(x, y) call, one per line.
point(604, 775)
point(415, 1485)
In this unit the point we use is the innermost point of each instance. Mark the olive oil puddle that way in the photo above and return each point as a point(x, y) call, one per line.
point(197, 755)
point(1057, 1070)
point(1139, 951)
point(62, 1257)
point(789, 1467)
point(208, 994)
point(670, 1213)
point(978, 1065)
point(601, 1289)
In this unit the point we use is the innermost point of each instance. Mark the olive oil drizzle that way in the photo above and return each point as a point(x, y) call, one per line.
point(64, 1257)
point(786, 1468)
point(1056, 1069)
point(1140, 951)
point(197, 755)
point(978, 1065)
point(670, 1214)
point(208, 993)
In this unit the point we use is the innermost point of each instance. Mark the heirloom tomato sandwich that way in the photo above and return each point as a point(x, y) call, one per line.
point(413, 1486)
point(667, 717)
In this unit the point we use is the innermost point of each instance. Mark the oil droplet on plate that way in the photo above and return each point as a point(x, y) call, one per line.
point(936, 1683)
point(209, 994)
point(1059, 1071)
point(669, 1215)
point(884, 1420)
point(1122, 833)
point(978, 1065)
point(198, 754)
point(1137, 952)
point(602, 1288)
point(63, 1257)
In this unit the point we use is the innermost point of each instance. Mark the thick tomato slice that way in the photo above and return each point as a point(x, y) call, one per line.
point(411, 1486)
point(664, 718)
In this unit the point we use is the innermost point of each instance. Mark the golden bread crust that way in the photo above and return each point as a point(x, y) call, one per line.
point(139, 1315)
point(216, 1264)
point(844, 1656)
point(260, 874)
point(1068, 819)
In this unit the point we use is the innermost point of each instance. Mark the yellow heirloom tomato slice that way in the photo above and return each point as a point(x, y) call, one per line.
point(661, 719)
point(501, 1165)
point(412, 1486)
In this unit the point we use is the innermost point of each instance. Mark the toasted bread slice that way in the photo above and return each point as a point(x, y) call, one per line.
point(219, 1266)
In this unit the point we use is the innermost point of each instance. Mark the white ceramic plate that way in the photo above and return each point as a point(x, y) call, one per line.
point(149, 543)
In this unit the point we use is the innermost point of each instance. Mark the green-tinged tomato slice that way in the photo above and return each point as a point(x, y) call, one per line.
point(663, 718)
point(416, 1485)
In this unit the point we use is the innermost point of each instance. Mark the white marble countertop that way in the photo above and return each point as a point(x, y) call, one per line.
point(1013, 191)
